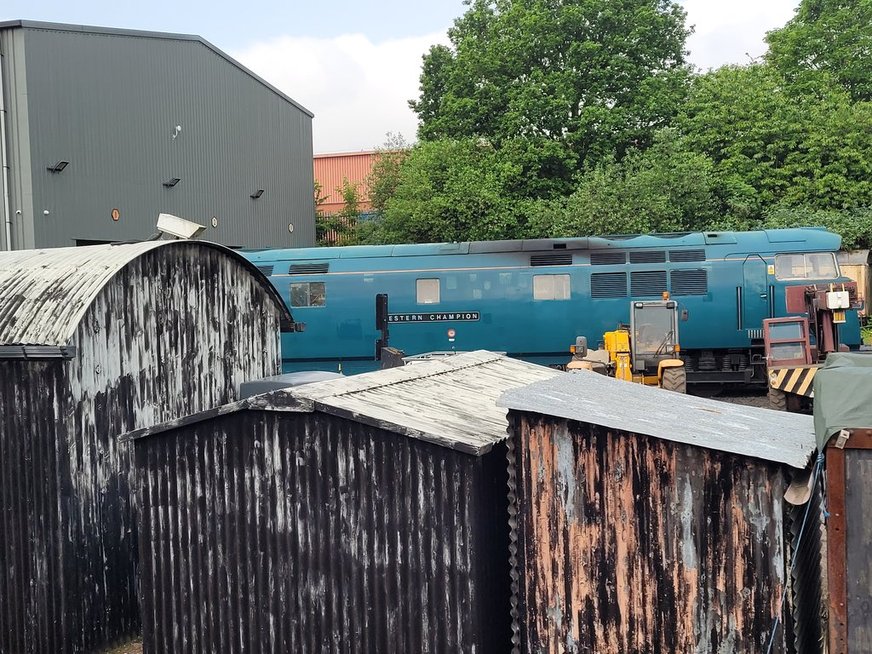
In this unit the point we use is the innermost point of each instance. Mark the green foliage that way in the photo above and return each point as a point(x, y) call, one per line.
point(339, 228)
point(450, 190)
point(569, 117)
point(666, 188)
point(385, 174)
point(829, 40)
point(773, 145)
point(597, 77)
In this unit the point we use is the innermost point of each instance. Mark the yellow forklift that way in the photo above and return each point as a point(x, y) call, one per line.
point(646, 351)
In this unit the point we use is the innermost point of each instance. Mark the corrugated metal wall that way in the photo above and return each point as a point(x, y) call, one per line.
point(806, 580)
point(630, 544)
point(173, 333)
point(108, 103)
point(332, 169)
point(283, 532)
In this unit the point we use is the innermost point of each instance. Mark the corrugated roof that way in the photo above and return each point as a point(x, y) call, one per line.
point(450, 401)
point(588, 397)
point(45, 293)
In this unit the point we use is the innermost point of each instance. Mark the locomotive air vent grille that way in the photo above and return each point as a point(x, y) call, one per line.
point(603, 285)
point(689, 282)
point(650, 283)
point(309, 268)
point(683, 256)
point(648, 256)
point(551, 259)
point(266, 270)
point(608, 258)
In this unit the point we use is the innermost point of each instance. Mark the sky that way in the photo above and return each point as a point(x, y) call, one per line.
point(356, 64)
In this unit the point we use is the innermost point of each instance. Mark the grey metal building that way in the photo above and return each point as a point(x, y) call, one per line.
point(102, 129)
point(365, 514)
point(652, 521)
point(96, 341)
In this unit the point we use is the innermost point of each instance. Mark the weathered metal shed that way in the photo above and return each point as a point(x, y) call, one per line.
point(843, 426)
point(94, 342)
point(649, 521)
point(362, 514)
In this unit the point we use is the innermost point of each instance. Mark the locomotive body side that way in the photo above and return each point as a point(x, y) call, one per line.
point(531, 299)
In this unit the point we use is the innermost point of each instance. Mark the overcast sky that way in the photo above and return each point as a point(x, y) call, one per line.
point(356, 64)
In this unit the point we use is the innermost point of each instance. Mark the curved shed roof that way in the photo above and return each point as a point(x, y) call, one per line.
point(44, 294)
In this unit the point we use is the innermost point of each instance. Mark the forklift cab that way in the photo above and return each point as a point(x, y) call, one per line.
point(654, 334)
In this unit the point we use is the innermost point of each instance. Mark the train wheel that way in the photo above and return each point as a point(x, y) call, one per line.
point(674, 379)
point(777, 399)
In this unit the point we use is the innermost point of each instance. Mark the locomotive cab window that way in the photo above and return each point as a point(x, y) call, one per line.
point(308, 294)
point(550, 287)
point(816, 265)
point(427, 291)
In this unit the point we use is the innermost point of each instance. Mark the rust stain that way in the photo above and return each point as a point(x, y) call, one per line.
point(632, 544)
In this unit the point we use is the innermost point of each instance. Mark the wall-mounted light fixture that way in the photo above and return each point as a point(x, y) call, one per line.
point(257, 194)
point(171, 182)
point(176, 131)
point(58, 166)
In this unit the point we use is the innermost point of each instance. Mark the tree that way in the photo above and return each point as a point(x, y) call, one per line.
point(667, 188)
point(451, 190)
point(774, 144)
point(827, 39)
point(596, 77)
point(385, 173)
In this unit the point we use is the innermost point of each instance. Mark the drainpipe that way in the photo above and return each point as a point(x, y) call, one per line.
point(4, 161)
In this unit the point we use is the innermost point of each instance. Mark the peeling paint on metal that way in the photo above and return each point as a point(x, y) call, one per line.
point(661, 547)
point(172, 331)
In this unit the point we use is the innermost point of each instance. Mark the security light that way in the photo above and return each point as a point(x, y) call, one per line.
point(178, 227)
point(172, 182)
point(257, 194)
point(59, 166)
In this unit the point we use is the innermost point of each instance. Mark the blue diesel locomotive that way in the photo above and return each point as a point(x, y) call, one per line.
point(532, 298)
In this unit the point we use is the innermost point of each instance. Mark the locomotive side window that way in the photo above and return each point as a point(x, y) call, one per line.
point(551, 287)
point(308, 294)
point(816, 265)
point(427, 291)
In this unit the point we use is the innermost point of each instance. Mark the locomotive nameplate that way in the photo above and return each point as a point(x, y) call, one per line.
point(442, 316)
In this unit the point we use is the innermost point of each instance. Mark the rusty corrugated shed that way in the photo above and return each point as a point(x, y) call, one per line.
point(332, 169)
point(639, 527)
point(359, 514)
point(163, 330)
point(776, 436)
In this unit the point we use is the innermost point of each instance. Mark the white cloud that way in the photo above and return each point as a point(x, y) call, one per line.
point(357, 90)
point(732, 32)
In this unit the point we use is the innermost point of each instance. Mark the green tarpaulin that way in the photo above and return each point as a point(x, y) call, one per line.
point(842, 395)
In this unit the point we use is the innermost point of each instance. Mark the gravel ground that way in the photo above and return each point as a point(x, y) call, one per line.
point(743, 397)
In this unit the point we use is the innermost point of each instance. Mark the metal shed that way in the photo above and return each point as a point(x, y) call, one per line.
point(649, 521)
point(94, 342)
point(843, 426)
point(362, 514)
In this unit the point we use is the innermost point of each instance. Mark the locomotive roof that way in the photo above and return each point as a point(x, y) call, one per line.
point(812, 238)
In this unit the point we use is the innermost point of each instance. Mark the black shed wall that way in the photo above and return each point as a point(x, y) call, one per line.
point(173, 332)
point(296, 532)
